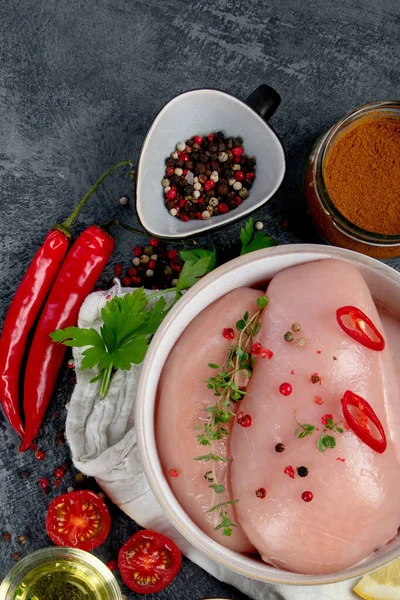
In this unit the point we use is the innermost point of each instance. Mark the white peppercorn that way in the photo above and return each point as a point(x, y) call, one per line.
point(237, 186)
point(174, 282)
point(235, 167)
point(197, 186)
point(214, 201)
point(167, 188)
point(231, 181)
point(205, 215)
point(144, 259)
point(154, 257)
point(222, 157)
point(173, 212)
point(149, 273)
point(214, 176)
point(259, 225)
point(165, 182)
point(136, 261)
point(174, 155)
point(196, 194)
point(178, 171)
point(124, 200)
point(181, 146)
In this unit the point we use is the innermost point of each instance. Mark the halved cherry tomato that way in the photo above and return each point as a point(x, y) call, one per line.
point(359, 331)
point(360, 425)
point(148, 562)
point(78, 519)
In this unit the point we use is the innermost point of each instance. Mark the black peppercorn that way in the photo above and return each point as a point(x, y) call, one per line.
point(280, 447)
point(222, 190)
point(213, 148)
point(170, 204)
point(229, 143)
point(210, 193)
point(232, 204)
point(179, 162)
point(189, 165)
point(174, 179)
point(188, 191)
point(221, 147)
point(200, 169)
point(302, 471)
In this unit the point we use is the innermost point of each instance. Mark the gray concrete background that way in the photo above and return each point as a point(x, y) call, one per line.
point(81, 81)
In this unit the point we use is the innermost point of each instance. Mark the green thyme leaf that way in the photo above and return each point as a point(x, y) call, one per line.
point(321, 443)
point(240, 325)
point(218, 488)
point(213, 366)
point(339, 429)
point(262, 301)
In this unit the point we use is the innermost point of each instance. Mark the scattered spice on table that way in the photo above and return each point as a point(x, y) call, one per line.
point(207, 176)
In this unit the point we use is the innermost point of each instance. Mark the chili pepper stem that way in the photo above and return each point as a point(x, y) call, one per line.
point(68, 222)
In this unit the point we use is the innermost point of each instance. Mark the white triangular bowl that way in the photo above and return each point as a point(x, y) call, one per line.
point(201, 112)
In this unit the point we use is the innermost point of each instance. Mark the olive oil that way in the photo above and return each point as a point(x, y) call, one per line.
point(62, 579)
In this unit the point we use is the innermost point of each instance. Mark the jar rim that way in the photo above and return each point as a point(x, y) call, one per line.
point(339, 220)
point(45, 555)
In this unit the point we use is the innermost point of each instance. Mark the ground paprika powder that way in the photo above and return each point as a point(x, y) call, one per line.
point(362, 174)
point(351, 181)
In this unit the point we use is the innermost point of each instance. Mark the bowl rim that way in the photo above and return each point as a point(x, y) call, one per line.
point(227, 218)
point(144, 420)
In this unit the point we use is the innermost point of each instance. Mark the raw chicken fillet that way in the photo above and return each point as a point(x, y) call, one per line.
point(355, 507)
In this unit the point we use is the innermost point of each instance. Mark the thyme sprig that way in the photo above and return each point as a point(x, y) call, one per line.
point(227, 385)
point(325, 440)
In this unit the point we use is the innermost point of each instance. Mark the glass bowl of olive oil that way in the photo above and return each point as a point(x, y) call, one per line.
point(58, 573)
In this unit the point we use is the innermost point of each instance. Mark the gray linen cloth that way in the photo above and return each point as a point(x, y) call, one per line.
point(101, 434)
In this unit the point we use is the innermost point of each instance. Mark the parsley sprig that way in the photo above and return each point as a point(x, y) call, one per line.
point(254, 241)
point(227, 388)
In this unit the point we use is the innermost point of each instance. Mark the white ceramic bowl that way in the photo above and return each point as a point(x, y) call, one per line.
point(249, 270)
point(201, 112)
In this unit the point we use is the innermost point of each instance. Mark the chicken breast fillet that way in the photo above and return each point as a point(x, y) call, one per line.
point(352, 506)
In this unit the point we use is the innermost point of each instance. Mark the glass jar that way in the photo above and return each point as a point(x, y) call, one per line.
point(84, 571)
point(332, 226)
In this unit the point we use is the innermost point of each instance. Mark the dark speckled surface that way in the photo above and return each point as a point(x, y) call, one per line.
point(80, 83)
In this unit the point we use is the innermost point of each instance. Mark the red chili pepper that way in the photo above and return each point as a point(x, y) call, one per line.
point(76, 279)
point(359, 319)
point(360, 425)
point(26, 304)
point(21, 315)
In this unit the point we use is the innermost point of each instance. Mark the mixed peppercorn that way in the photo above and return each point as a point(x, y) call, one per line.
point(207, 176)
point(153, 266)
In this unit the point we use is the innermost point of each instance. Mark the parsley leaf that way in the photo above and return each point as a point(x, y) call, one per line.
point(251, 242)
point(198, 263)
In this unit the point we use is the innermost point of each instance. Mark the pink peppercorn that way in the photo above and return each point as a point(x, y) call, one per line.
point(285, 389)
point(237, 151)
point(171, 194)
point(228, 333)
point(198, 139)
point(153, 242)
point(44, 483)
point(126, 281)
point(239, 175)
point(209, 184)
point(137, 251)
point(223, 208)
point(256, 348)
point(40, 455)
point(307, 496)
point(118, 270)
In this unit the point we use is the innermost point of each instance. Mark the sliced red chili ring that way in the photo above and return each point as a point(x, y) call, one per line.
point(360, 426)
point(361, 322)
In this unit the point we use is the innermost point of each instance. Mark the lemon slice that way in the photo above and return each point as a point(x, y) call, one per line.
point(383, 584)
